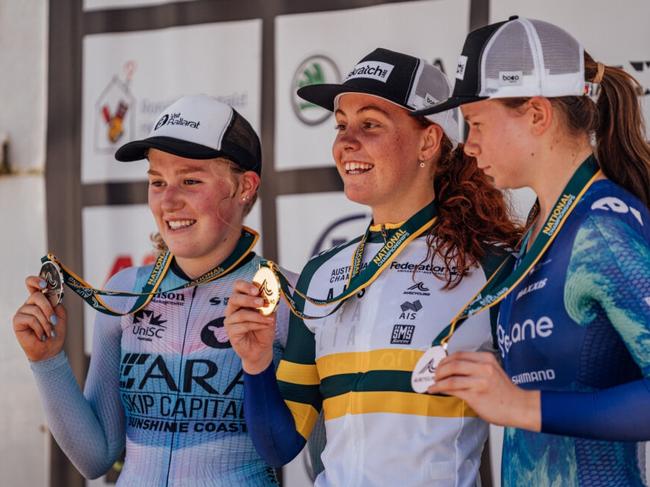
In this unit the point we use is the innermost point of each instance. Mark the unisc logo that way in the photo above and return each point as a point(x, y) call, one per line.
point(147, 325)
point(214, 334)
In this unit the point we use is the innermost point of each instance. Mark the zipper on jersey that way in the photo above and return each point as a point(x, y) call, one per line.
point(187, 322)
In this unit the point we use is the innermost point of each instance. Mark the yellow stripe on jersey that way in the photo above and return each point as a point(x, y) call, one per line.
point(397, 403)
point(399, 359)
point(301, 374)
point(304, 415)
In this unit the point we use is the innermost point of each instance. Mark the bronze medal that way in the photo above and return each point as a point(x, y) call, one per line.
point(51, 274)
point(269, 285)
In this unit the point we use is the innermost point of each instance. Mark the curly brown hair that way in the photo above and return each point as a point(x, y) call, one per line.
point(473, 215)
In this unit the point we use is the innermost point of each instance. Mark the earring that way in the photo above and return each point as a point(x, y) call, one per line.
point(422, 164)
point(244, 198)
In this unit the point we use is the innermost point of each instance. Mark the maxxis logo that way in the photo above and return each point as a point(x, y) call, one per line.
point(316, 69)
point(115, 112)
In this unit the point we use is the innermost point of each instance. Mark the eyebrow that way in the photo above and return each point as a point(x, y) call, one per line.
point(187, 170)
point(365, 108)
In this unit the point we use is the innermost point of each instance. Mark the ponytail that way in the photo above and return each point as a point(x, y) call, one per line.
point(472, 215)
point(621, 146)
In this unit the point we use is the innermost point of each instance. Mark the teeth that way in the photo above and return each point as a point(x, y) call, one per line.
point(176, 224)
point(357, 166)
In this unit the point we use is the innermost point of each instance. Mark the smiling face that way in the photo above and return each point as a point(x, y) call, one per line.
point(500, 139)
point(197, 204)
point(377, 150)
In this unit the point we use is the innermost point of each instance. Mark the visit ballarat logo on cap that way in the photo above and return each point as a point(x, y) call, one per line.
point(371, 69)
point(314, 70)
point(176, 119)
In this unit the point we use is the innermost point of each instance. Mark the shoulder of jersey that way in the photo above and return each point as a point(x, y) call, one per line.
point(319, 259)
point(608, 199)
point(126, 278)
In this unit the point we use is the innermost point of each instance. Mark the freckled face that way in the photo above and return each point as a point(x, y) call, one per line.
point(499, 139)
point(192, 202)
point(376, 151)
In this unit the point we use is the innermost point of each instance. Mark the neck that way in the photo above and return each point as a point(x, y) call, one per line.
point(395, 213)
point(195, 267)
point(552, 177)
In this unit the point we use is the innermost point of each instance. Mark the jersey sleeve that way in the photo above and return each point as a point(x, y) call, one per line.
point(282, 408)
point(610, 267)
point(89, 426)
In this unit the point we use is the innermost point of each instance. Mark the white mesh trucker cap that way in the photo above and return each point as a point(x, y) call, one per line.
point(517, 58)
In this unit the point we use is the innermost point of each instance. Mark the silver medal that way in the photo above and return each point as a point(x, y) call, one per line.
point(423, 376)
point(51, 274)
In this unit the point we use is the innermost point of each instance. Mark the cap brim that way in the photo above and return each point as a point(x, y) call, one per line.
point(324, 95)
point(137, 150)
point(453, 102)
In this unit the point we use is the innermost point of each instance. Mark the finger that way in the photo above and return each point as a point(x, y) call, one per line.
point(245, 287)
point(454, 385)
point(481, 357)
point(23, 322)
point(39, 299)
point(33, 310)
point(238, 301)
point(241, 329)
point(34, 283)
point(448, 368)
point(246, 315)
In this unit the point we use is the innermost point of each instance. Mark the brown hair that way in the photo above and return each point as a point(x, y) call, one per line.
point(616, 120)
point(472, 215)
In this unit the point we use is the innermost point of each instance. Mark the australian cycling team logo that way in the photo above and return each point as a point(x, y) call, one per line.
point(115, 112)
point(314, 70)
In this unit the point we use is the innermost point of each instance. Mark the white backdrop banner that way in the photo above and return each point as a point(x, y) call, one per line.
point(129, 78)
point(614, 33)
point(111, 4)
point(323, 47)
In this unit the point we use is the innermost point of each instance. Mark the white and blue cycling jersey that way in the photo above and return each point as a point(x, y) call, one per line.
point(578, 329)
point(164, 382)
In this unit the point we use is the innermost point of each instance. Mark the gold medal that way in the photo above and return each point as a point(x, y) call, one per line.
point(269, 285)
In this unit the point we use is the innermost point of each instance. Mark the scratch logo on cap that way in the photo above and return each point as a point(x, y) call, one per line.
point(511, 78)
point(371, 69)
point(460, 69)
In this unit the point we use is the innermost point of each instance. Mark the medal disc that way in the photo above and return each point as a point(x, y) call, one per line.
point(51, 274)
point(269, 289)
point(423, 376)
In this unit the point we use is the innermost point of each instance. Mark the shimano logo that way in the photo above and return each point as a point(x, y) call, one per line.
point(371, 69)
point(520, 332)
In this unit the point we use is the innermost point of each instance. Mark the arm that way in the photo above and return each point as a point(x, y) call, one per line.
point(88, 427)
point(610, 266)
point(279, 413)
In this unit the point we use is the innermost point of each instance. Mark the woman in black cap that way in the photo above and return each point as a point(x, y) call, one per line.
point(574, 326)
point(163, 378)
point(435, 234)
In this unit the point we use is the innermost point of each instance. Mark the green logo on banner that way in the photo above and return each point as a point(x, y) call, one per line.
point(317, 69)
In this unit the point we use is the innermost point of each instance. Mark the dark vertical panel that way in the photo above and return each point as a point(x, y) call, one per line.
point(63, 185)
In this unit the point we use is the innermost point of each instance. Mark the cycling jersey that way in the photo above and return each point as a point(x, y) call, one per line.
point(357, 363)
point(578, 329)
point(166, 381)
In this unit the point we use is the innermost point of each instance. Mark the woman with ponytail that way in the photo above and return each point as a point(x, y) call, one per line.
point(573, 386)
point(438, 229)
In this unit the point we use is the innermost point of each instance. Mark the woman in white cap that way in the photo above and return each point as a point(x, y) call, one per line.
point(574, 327)
point(436, 220)
point(163, 378)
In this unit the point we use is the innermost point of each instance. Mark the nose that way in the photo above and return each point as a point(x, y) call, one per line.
point(170, 199)
point(346, 141)
point(470, 147)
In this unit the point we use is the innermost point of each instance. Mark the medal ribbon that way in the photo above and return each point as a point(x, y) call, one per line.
point(92, 295)
point(505, 279)
point(360, 279)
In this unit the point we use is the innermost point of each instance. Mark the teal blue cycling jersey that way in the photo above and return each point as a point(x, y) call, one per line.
point(166, 383)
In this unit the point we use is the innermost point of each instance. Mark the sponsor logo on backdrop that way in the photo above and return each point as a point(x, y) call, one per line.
point(115, 112)
point(317, 69)
point(338, 232)
point(642, 69)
